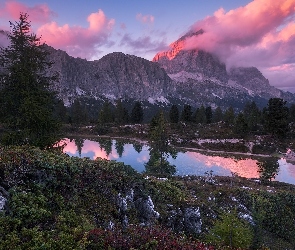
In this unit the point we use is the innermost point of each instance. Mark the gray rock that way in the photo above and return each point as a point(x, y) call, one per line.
point(192, 220)
point(3, 201)
point(146, 212)
point(187, 219)
point(3, 198)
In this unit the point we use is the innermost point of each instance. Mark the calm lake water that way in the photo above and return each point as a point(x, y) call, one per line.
point(187, 163)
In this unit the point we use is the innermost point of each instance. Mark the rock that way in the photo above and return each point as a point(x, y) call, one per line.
point(146, 212)
point(192, 220)
point(3, 201)
point(3, 198)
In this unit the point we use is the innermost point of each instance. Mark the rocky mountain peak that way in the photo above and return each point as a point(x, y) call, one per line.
point(175, 47)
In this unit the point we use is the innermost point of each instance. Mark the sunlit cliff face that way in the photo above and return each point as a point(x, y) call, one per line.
point(244, 168)
point(175, 48)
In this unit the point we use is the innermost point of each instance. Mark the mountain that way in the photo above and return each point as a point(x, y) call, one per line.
point(114, 76)
point(204, 79)
point(177, 76)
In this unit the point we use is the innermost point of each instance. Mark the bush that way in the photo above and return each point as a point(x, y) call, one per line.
point(231, 231)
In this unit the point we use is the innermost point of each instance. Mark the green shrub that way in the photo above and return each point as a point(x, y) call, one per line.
point(231, 231)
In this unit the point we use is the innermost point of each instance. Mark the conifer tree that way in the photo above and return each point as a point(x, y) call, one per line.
point(240, 125)
point(79, 113)
point(159, 148)
point(292, 113)
point(174, 114)
point(186, 114)
point(252, 115)
point(106, 114)
point(27, 103)
point(137, 113)
point(229, 116)
point(200, 115)
point(217, 115)
point(276, 117)
point(121, 113)
point(209, 114)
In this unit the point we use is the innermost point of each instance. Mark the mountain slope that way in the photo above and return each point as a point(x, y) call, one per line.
point(178, 76)
point(197, 70)
point(115, 75)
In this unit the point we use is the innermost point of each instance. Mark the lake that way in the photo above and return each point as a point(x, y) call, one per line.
point(187, 163)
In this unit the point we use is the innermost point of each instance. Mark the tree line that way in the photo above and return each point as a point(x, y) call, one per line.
point(275, 118)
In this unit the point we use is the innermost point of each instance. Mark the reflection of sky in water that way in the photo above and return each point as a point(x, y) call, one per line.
point(286, 172)
point(188, 163)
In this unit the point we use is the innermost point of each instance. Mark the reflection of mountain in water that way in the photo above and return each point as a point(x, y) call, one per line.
point(187, 163)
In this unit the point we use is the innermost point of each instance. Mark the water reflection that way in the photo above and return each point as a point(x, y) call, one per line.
point(220, 165)
point(187, 163)
point(268, 169)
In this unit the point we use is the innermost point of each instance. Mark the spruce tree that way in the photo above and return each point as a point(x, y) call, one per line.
point(240, 125)
point(121, 113)
point(217, 115)
point(174, 114)
point(252, 115)
point(209, 114)
point(137, 113)
point(229, 116)
point(292, 113)
point(106, 114)
point(27, 103)
point(186, 114)
point(276, 117)
point(160, 148)
point(79, 114)
point(200, 115)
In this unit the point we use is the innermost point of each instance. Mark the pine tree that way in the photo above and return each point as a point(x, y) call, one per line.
point(27, 103)
point(200, 115)
point(60, 111)
point(121, 113)
point(276, 117)
point(106, 114)
point(209, 114)
point(252, 115)
point(186, 114)
point(78, 113)
point(217, 115)
point(137, 113)
point(229, 116)
point(174, 114)
point(240, 125)
point(159, 148)
point(292, 113)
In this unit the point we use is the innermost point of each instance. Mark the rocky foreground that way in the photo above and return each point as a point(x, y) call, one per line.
point(48, 198)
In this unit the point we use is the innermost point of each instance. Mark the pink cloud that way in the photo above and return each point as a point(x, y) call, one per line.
point(77, 40)
point(260, 34)
point(144, 45)
point(123, 26)
point(145, 18)
point(39, 13)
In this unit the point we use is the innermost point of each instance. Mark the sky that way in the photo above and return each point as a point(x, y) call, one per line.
point(259, 33)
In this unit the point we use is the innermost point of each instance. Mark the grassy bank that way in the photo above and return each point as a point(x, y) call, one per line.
point(53, 201)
